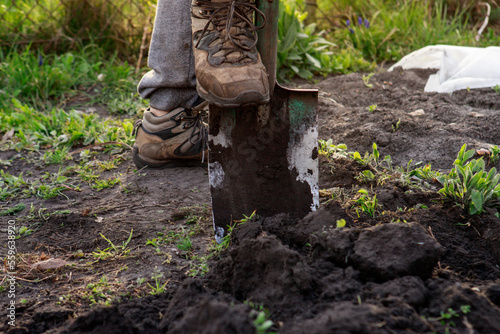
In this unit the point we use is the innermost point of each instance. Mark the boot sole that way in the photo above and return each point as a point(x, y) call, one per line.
point(142, 161)
point(244, 99)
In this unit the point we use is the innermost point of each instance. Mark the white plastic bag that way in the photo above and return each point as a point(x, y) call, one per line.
point(458, 67)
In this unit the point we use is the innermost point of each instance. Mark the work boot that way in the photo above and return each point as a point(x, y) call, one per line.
point(178, 138)
point(228, 66)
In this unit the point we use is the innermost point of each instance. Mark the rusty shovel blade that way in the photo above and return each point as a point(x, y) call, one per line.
point(264, 158)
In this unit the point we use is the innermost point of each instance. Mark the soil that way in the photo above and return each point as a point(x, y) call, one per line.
point(420, 265)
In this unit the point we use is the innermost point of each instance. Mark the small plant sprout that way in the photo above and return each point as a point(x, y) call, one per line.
point(372, 108)
point(494, 154)
point(327, 148)
point(395, 127)
point(341, 223)
point(496, 89)
point(366, 80)
point(113, 250)
point(367, 204)
point(366, 176)
point(446, 316)
point(261, 315)
point(158, 288)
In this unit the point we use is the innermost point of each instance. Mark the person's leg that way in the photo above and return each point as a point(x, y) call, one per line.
point(171, 82)
point(171, 133)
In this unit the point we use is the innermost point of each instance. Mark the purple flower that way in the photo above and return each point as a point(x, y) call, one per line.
point(40, 60)
point(347, 22)
point(367, 23)
point(351, 31)
point(360, 20)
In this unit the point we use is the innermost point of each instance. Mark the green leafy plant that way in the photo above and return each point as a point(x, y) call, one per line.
point(372, 107)
point(469, 185)
point(495, 154)
point(366, 176)
point(496, 89)
point(300, 49)
point(366, 204)
point(329, 149)
point(260, 316)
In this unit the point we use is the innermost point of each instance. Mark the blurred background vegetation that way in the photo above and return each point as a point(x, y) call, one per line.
point(317, 36)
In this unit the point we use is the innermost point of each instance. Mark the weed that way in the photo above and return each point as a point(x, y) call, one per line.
point(496, 89)
point(341, 223)
point(329, 149)
point(185, 244)
point(57, 156)
point(113, 250)
point(260, 316)
point(13, 210)
point(366, 176)
point(198, 267)
point(425, 173)
point(446, 317)
point(158, 288)
point(495, 154)
point(140, 281)
point(104, 184)
point(367, 204)
point(366, 80)
point(153, 242)
point(100, 292)
point(396, 126)
point(469, 185)
point(372, 107)
point(216, 248)
point(109, 164)
point(24, 231)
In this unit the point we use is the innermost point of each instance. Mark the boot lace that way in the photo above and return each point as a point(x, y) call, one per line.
point(233, 28)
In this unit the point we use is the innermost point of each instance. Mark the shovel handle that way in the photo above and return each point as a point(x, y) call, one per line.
point(268, 38)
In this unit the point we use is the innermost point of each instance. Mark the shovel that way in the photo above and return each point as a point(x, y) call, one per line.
point(263, 159)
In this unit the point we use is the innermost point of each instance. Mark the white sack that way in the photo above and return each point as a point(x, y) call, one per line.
point(459, 67)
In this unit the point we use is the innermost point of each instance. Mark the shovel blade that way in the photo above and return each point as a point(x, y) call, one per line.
point(264, 158)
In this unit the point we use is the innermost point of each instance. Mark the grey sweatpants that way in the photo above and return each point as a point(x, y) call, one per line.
point(171, 82)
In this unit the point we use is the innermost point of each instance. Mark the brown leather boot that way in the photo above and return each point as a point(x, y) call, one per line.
point(176, 139)
point(228, 67)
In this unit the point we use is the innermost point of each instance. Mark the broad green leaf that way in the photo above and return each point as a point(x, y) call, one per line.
point(313, 60)
point(477, 200)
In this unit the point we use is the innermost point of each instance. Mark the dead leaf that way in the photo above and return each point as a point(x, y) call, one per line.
point(483, 151)
point(49, 264)
point(8, 135)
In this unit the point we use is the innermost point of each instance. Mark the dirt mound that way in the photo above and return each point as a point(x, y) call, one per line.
point(194, 310)
point(381, 253)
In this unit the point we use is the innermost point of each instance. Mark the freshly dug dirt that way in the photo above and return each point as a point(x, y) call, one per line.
point(418, 266)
